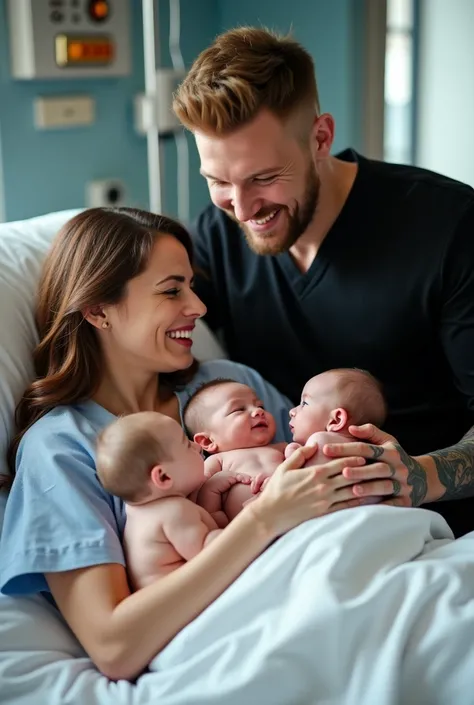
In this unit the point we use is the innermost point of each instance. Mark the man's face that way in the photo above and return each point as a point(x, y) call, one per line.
point(263, 178)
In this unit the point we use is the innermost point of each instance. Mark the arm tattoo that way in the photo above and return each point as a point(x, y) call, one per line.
point(455, 467)
point(416, 477)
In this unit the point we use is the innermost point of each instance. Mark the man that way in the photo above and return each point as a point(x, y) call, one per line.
point(343, 262)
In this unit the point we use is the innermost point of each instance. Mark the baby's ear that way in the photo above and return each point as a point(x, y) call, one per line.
point(160, 479)
point(206, 442)
point(338, 419)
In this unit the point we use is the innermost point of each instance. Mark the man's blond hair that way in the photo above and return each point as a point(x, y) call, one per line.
point(244, 71)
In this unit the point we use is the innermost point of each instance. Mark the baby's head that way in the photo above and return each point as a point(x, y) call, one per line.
point(146, 456)
point(226, 415)
point(334, 400)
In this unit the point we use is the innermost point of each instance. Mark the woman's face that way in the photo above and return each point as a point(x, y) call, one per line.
point(152, 327)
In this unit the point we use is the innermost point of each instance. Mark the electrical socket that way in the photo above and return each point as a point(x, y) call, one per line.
point(105, 192)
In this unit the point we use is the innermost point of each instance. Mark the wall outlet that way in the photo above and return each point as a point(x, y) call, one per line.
point(105, 192)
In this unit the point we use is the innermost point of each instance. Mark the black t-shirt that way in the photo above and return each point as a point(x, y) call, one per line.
point(391, 290)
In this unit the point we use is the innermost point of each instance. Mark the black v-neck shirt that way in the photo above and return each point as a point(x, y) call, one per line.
point(391, 290)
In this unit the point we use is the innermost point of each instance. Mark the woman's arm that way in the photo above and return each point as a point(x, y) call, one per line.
point(123, 632)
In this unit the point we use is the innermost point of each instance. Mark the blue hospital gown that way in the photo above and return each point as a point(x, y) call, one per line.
point(58, 516)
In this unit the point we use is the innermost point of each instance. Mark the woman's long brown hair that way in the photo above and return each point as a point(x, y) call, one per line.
point(89, 264)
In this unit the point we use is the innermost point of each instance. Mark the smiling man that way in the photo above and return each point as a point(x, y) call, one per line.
point(312, 261)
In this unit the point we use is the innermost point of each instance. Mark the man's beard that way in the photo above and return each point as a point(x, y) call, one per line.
point(269, 244)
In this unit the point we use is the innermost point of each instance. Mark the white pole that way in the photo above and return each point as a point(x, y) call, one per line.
point(2, 184)
point(182, 152)
point(150, 50)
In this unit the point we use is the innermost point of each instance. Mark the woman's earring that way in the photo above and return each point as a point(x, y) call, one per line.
point(105, 324)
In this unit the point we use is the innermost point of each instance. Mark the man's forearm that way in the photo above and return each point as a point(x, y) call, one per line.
point(454, 469)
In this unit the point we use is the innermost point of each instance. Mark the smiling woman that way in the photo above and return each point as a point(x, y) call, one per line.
point(106, 302)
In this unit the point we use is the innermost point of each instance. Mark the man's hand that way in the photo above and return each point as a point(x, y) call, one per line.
point(393, 474)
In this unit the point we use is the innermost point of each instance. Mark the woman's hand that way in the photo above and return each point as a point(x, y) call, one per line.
point(294, 494)
point(394, 474)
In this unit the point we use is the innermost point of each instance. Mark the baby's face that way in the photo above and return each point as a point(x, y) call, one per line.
point(186, 464)
point(236, 418)
point(313, 412)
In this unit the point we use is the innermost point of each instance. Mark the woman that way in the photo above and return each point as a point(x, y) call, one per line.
point(116, 312)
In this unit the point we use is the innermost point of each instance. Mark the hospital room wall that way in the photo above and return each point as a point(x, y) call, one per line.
point(47, 170)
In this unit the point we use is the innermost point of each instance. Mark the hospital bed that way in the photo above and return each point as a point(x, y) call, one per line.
point(373, 605)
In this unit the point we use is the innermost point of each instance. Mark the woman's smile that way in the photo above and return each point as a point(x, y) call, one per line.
point(182, 336)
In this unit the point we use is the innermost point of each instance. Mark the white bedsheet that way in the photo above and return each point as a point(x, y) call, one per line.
point(372, 605)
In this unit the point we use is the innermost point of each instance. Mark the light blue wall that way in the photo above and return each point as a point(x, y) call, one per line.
point(47, 170)
point(328, 29)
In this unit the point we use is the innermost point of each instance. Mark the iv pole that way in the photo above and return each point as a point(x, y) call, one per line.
point(150, 48)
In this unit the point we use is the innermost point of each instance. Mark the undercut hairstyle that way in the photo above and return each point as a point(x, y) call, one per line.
point(126, 451)
point(364, 394)
point(244, 71)
point(194, 413)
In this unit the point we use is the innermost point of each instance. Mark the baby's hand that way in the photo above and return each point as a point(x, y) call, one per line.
point(222, 482)
point(243, 478)
point(213, 493)
point(290, 449)
point(259, 482)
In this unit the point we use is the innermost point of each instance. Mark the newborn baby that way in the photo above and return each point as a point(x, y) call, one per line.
point(229, 423)
point(330, 403)
point(148, 461)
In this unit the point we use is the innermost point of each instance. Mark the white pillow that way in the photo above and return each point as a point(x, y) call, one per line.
point(23, 245)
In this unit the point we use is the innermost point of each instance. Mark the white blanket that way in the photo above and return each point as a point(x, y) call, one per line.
point(367, 606)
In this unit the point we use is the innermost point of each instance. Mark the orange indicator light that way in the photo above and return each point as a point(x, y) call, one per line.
point(84, 50)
